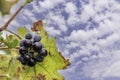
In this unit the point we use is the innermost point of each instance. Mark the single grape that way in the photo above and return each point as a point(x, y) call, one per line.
point(28, 43)
point(37, 46)
point(31, 62)
point(28, 36)
point(37, 38)
point(43, 52)
point(39, 58)
point(27, 57)
point(23, 50)
point(22, 60)
point(22, 42)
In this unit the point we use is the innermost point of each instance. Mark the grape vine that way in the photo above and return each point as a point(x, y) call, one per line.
point(30, 56)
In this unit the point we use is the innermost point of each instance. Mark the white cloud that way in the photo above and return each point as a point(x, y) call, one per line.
point(52, 31)
point(81, 35)
point(113, 70)
point(49, 4)
point(109, 41)
point(57, 19)
point(73, 20)
point(87, 12)
point(70, 8)
point(98, 43)
point(29, 14)
point(72, 45)
point(63, 27)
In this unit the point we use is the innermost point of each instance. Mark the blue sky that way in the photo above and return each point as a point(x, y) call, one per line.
point(87, 31)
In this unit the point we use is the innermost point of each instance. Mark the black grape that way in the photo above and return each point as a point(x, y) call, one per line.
point(43, 52)
point(28, 43)
point(27, 57)
point(22, 42)
point(39, 58)
point(28, 36)
point(22, 60)
point(37, 46)
point(23, 50)
point(37, 38)
point(31, 62)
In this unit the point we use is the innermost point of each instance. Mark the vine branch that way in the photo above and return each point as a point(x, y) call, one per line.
point(9, 21)
point(14, 34)
point(4, 27)
point(6, 48)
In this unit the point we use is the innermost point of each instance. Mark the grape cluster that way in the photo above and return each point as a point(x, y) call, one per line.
point(31, 50)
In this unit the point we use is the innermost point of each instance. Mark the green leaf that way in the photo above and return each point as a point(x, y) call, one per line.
point(22, 31)
point(5, 6)
point(48, 69)
point(11, 41)
point(12, 69)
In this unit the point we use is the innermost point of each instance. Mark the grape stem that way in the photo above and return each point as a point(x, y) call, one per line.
point(14, 34)
point(6, 48)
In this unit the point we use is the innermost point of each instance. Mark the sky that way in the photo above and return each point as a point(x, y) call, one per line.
point(87, 32)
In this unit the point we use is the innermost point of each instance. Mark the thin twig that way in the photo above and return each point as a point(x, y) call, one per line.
point(6, 48)
point(14, 34)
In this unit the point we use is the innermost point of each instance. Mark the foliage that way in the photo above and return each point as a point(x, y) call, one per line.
point(12, 69)
point(22, 31)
